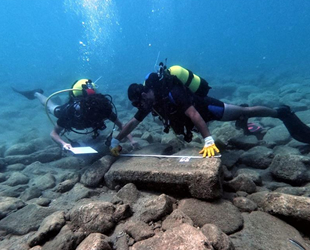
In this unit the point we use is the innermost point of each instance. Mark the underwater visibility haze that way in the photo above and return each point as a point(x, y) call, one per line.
point(254, 52)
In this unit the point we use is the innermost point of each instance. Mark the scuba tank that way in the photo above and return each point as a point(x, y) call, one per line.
point(86, 85)
point(196, 84)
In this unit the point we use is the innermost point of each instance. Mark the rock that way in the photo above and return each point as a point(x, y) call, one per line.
point(44, 202)
point(227, 175)
point(175, 219)
point(156, 209)
point(49, 228)
point(230, 158)
point(292, 169)
point(244, 142)
point(258, 157)
point(252, 174)
point(221, 213)
point(2, 177)
point(12, 191)
point(277, 136)
point(65, 186)
point(201, 177)
point(147, 136)
point(293, 208)
point(20, 149)
point(30, 193)
point(122, 212)
point(285, 150)
point(25, 220)
point(94, 175)
point(95, 241)
point(181, 237)
point(264, 231)
point(138, 230)
point(217, 238)
point(121, 242)
point(79, 192)
point(66, 239)
point(94, 217)
point(244, 204)
point(69, 162)
point(49, 154)
point(128, 194)
point(44, 182)
point(297, 191)
point(9, 205)
point(242, 183)
point(17, 178)
point(15, 167)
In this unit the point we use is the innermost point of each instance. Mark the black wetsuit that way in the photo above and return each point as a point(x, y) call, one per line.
point(179, 99)
point(172, 104)
point(85, 112)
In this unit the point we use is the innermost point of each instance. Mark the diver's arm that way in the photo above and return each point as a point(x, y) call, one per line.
point(209, 149)
point(130, 126)
point(127, 129)
point(56, 137)
point(198, 121)
point(120, 126)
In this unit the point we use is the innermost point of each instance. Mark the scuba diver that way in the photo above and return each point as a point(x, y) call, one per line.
point(180, 98)
point(85, 109)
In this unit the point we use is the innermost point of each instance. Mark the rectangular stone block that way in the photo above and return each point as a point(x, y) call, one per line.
point(201, 178)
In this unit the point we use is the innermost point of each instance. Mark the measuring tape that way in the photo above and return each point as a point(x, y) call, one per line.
point(184, 158)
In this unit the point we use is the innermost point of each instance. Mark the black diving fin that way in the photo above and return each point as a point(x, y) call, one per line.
point(297, 129)
point(28, 94)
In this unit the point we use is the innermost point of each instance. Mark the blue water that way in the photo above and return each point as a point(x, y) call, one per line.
point(49, 43)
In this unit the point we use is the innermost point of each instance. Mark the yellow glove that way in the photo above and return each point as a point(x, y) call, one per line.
point(115, 148)
point(209, 148)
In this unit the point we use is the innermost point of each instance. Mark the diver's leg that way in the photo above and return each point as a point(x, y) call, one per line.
point(235, 112)
point(29, 94)
point(50, 105)
point(297, 129)
point(240, 114)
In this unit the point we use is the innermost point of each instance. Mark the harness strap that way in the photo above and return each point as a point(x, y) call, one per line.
point(189, 79)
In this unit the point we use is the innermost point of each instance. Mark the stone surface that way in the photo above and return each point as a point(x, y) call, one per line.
point(201, 178)
point(9, 205)
point(138, 230)
point(155, 209)
point(292, 207)
point(181, 237)
point(176, 218)
point(96, 217)
point(258, 157)
point(93, 176)
point(49, 227)
point(25, 220)
point(217, 238)
point(242, 183)
point(291, 169)
point(95, 241)
point(264, 231)
point(66, 239)
point(244, 204)
point(220, 213)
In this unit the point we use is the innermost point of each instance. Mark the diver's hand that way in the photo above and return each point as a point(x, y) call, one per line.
point(115, 147)
point(209, 147)
point(66, 146)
